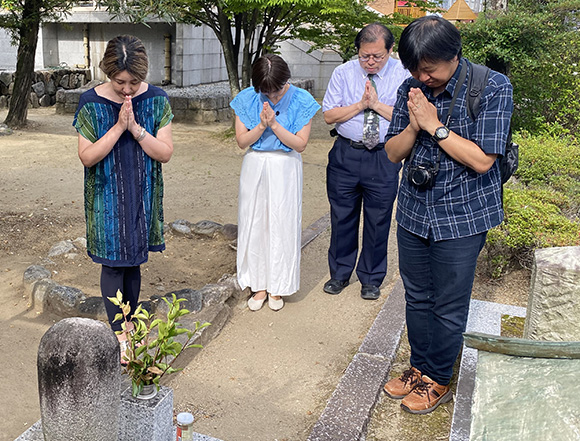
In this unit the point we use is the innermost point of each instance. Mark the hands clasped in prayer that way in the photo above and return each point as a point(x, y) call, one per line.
point(421, 111)
point(127, 117)
point(370, 99)
point(268, 117)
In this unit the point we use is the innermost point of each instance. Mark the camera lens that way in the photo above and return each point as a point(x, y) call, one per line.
point(421, 176)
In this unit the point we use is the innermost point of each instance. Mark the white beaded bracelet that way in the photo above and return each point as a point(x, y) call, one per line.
point(142, 135)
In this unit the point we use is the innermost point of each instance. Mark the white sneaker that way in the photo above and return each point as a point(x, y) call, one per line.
point(256, 305)
point(275, 305)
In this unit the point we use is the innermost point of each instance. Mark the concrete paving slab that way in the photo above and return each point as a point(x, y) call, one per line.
point(483, 317)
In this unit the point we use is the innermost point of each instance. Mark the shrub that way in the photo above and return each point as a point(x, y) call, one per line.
point(541, 204)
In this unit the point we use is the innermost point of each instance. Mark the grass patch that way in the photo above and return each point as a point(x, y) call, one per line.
point(512, 326)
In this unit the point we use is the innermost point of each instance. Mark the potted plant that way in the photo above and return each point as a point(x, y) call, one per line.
point(152, 348)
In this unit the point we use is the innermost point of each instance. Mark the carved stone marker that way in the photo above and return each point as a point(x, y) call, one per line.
point(554, 302)
point(79, 380)
point(147, 420)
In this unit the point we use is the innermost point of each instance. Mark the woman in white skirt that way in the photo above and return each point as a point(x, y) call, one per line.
point(273, 118)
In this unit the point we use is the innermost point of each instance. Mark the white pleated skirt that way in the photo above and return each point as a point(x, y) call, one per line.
point(270, 222)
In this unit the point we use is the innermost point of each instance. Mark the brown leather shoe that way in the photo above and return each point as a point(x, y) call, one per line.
point(426, 396)
point(402, 386)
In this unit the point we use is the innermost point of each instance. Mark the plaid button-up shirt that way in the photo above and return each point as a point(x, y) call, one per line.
point(462, 202)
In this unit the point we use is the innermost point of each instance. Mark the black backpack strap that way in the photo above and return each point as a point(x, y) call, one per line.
point(476, 83)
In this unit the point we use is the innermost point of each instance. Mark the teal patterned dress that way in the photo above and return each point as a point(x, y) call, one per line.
point(124, 191)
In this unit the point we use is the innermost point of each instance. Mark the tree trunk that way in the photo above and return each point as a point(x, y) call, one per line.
point(28, 39)
point(249, 29)
point(230, 56)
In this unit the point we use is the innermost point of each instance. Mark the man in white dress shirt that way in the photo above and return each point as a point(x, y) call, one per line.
point(359, 101)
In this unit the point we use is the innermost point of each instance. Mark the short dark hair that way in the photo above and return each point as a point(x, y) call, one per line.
point(125, 53)
point(430, 38)
point(372, 32)
point(269, 73)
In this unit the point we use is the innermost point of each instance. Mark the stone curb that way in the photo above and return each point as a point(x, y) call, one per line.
point(349, 409)
point(312, 231)
point(47, 295)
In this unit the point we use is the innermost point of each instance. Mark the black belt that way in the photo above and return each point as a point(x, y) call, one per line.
point(360, 145)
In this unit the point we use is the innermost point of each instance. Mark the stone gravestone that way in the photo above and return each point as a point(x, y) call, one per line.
point(79, 381)
point(554, 302)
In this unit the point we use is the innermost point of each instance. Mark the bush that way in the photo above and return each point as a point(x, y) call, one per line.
point(541, 204)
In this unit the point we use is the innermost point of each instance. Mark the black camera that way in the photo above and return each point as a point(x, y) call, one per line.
point(422, 175)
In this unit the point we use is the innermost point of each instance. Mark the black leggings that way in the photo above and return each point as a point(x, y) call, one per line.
point(125, 279)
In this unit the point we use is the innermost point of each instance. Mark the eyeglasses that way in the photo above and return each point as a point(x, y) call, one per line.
point(376, 58)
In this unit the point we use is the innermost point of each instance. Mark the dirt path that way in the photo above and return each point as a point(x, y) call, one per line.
point(41, 204)
point(268, 375)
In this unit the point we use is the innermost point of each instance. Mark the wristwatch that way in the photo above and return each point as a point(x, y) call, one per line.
point(440, 134)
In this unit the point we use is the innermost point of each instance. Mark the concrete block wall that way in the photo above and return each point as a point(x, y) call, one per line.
point(199, 58)
point(317, 65)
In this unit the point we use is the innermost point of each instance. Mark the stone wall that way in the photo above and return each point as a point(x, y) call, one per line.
point(202, 104)
point(45, 85)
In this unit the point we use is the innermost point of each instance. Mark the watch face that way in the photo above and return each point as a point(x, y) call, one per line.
point(442, 132)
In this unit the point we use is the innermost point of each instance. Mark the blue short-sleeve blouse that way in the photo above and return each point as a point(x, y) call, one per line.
point(293, 112)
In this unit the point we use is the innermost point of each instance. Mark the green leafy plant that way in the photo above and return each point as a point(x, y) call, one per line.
point(542, 203)
point(152, 345)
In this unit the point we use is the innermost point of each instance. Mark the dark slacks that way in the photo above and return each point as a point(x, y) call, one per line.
point(125, 279)
point(438, 278)
point(355, 178)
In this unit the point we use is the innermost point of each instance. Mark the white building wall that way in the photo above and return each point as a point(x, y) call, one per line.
point(67, 43)
point(7, 52)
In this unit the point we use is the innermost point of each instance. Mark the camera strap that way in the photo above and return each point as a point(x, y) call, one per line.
point(460, 81)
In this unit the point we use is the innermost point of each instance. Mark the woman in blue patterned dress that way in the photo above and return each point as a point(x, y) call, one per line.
point(124, 128)
point(273, 118)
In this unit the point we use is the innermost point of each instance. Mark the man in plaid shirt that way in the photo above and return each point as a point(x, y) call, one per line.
point(449, 197)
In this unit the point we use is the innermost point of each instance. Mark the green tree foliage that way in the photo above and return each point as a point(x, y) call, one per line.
point(246, 27)
point(254, 27)
point(22, 18)
point(537, 44)
point(338, 31)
